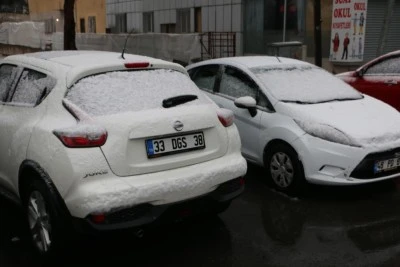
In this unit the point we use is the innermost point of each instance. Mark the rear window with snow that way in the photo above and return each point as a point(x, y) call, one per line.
point(124, 91)
point(304, 84)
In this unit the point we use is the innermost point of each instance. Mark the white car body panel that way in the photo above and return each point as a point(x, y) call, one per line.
point(324, 162)
point(77, 173)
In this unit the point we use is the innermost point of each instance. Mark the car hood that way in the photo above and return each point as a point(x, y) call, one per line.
point(367, 122)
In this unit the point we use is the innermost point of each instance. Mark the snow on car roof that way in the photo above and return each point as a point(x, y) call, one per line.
point(252, 61)
point(85, 63)
point(87, 57)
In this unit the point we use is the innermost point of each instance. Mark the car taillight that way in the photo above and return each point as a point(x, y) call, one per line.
point(225, 116)
point(135, 65)
point(82, 136)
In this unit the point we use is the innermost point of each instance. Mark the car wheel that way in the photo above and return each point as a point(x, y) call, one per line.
point(284, 168)
point(47, 229)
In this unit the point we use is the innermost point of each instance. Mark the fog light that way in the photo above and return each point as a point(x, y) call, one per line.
point(331, 170)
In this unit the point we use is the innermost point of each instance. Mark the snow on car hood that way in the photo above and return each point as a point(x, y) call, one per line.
point(368, 122)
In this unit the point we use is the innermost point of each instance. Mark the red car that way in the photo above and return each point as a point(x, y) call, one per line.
point(379, 78)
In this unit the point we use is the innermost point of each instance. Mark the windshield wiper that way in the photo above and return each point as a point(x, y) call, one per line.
point(340, 99)
point(178, 100)
point(320, 102)
point(297, 102)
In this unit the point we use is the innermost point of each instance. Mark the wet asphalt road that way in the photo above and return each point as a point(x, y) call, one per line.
point(328, 226)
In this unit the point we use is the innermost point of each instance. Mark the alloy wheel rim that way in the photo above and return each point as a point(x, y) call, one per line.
point(281, 169)
point(39, 222)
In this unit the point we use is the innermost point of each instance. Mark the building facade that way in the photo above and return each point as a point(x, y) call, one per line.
point(382, 31)
point(90, 15)
point(176, 16)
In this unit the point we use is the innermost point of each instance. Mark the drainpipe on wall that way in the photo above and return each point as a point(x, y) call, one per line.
point(385, 28)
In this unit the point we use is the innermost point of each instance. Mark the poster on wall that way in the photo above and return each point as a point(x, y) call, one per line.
point(349, 18)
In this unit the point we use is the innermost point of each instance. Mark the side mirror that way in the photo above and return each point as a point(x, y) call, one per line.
point(247, 102)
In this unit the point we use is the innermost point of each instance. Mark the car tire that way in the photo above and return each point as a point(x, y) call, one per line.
point(47, 223)
point(284, 169)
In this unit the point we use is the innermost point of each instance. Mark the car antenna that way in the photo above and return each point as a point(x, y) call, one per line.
point(278, 59)
point(126, 41)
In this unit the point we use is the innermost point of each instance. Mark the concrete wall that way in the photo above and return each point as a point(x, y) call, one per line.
point(41, 10)
point(172, 47)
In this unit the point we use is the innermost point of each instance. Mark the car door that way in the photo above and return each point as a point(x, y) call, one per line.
point(7, 80)
point(235, 83)
point(382, 81)
point(20, 113)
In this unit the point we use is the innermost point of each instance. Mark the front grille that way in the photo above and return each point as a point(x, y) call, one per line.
point(128, 214)
point(365, 170)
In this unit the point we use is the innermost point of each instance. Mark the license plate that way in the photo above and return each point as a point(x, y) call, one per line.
point(386, 165)
point(176, 144)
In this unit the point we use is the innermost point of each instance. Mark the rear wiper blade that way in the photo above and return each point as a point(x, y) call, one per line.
point(178, 100)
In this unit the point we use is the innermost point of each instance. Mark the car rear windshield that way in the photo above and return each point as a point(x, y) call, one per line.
point(124, 91)
point(304, 84)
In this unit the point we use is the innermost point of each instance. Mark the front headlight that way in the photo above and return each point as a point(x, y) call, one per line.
point(326, 132)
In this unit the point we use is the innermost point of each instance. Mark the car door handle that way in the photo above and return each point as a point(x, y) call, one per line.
point(391, 82)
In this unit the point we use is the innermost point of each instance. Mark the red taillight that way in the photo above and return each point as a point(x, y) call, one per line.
point(98, 218)
point(135, 65)
point(225, 116)
point(82, 136)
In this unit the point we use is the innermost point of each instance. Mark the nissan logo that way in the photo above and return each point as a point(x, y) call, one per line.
point(178, 125)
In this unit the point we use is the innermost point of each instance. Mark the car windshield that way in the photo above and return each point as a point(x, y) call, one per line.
point(124, 91)
point(304, 84)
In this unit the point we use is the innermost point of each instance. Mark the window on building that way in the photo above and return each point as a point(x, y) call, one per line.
point(197, 20)
point(82, 25)
point(183, 20)
point(168, 28)
point(148, 22)
point(274, 12)
point(50, 26)
point(92, 24)
point(120, 23)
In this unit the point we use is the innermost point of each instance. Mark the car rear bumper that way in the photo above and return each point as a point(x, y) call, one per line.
point(330, 163)
point(145, 215)
point(110, 192)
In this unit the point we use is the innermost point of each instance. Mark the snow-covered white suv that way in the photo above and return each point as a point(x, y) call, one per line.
point(98, 141)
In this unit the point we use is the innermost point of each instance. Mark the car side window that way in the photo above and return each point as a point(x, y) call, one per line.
point(7, 75)
point(32, 88)
point(205, 77)
point(389, 66)
point(235, 83)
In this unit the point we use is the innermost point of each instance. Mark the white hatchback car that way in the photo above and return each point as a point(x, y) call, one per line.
point(302, 123)
point(101, 142)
